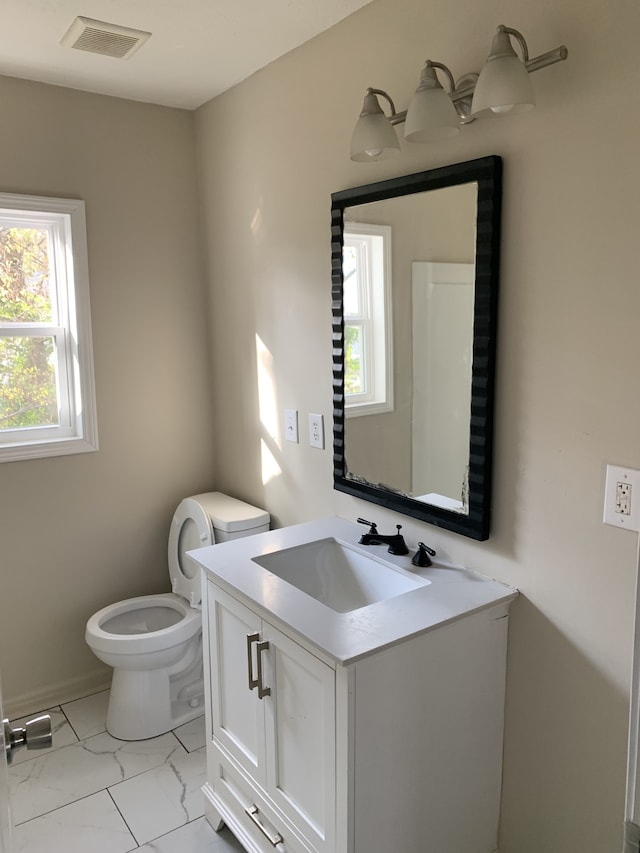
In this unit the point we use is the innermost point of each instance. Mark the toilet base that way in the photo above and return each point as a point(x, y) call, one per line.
point(147, 703)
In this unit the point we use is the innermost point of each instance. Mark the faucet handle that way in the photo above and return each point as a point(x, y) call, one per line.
point(373, 528)
point(423, 555)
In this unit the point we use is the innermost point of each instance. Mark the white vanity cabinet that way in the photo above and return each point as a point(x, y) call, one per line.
point(397, 750)
point(271, 754)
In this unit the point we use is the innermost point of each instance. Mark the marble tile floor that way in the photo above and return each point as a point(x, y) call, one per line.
point(91, 792)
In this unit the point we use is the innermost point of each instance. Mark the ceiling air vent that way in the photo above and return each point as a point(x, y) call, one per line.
point(105, 39)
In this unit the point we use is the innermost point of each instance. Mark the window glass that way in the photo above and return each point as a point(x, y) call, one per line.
point(366, 308)
point(28, 381)
point(25, 276)
point(353, 361)
point(351, 289)
point(47, 395)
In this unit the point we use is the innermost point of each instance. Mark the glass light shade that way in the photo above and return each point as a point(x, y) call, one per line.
point(431, 116)
point(373, 136)
point(504, 84)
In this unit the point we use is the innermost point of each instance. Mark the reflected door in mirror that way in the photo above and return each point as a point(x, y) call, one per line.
point(443, 296)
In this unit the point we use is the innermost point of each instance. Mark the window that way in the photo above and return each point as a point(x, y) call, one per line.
point(368, 384)
point(47, 397)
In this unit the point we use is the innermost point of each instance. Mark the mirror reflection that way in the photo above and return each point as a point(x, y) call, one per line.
point(415, 269)
point(412, 261)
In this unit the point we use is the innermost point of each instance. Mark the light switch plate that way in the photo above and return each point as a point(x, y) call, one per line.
point(622, 497)
point(291, 425)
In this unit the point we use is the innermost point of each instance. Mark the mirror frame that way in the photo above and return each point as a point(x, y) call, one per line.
point(487, 173)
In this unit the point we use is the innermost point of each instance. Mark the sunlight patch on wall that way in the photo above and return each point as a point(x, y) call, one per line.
point(270, 467)
point(268, 411)
point(266, 390)
point(256, 222)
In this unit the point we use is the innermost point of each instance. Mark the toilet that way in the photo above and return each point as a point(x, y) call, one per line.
point(154, 642)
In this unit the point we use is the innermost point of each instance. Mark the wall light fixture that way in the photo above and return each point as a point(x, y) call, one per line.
point(503, 86)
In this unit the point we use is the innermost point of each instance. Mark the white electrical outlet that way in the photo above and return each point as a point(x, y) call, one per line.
point(316, 431)
point(291, 425)
point(622, 497)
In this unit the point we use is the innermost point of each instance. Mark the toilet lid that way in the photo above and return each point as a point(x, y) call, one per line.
point(191, 528)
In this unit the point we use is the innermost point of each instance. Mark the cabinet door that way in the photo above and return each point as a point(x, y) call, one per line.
point(237, 715)
point(301, 738)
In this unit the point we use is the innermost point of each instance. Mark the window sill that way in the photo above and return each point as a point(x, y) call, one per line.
point(46, 448)
point(358, 410)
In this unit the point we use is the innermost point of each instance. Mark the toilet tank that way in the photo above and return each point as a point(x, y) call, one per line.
point(232, 518)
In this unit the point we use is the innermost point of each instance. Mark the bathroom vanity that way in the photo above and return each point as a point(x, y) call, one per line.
point(354, 703)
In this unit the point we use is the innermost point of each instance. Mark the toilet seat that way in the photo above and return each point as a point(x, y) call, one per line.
point(186, 625)
point(191, 528)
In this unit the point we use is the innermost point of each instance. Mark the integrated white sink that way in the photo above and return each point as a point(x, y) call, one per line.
point(339, 575)
point(345, 599)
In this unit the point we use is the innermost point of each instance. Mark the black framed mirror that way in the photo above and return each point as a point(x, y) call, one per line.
point(415, 265)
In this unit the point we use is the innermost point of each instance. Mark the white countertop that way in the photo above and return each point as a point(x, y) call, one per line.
point(452, 593)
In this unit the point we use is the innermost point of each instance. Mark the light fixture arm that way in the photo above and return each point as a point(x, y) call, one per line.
point(509, 31)
point(387, 97)
point(431, 64)
point(398, 118)
point(559, 54)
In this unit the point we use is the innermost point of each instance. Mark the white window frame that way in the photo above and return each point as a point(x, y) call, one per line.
point(77, 431)
point(374, 248)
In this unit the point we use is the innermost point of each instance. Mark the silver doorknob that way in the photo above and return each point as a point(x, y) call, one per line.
point(36, 734)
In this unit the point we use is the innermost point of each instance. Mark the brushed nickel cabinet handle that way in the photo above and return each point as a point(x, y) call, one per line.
point(262, 690)
point(253, 682)
point(274, 840)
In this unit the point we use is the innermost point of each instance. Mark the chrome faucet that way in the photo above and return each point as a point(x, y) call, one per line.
point(395, 541)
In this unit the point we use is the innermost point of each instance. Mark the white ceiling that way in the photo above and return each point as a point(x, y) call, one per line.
point(198, 48)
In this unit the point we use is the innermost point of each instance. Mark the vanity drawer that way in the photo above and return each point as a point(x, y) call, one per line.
point(256, 824)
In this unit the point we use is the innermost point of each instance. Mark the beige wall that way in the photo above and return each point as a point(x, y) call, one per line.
point(80, 532)
point(271, 151)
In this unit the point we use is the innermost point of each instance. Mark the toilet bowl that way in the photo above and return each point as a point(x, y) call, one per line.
point(154, 642)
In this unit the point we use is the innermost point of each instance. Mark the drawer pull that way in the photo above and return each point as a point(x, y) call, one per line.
point(262, 690)
point(274, 840)
point(251, 639)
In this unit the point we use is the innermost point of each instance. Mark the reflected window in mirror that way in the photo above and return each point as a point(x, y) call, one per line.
point(429, 454)
point(367, 310)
